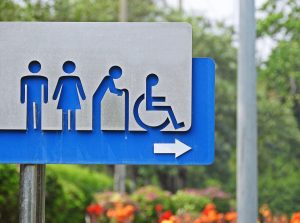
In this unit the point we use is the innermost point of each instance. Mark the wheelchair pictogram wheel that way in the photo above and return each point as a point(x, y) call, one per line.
point(139, 120)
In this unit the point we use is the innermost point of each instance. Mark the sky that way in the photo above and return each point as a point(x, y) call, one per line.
point(224, 10)
point(214, 9)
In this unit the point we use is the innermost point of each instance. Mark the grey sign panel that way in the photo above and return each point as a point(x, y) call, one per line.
point(140, 49)
point(113, 113)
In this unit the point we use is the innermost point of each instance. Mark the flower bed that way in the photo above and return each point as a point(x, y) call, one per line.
point(153, 205)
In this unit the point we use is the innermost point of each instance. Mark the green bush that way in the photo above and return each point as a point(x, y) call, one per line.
point(147, 198)
point(223, 205)
point(87, 180)
point(9, 193)
point(183, 202)
point(64, 201)
point(69, 189)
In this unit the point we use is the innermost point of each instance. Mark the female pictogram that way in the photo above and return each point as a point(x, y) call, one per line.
point(69, 88)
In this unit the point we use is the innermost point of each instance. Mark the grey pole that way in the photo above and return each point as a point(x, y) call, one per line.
point(120, 170)
point(32, 193)
point(41, 189)
point(180, 5)
point(123, 11)
point(120, 178)
point(247, 116)
point(28, 193)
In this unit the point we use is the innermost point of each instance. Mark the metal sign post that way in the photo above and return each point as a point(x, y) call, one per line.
point(120, 170)
point(32, 193)
point(28, 193)
point(247, 202)
point(41, 192)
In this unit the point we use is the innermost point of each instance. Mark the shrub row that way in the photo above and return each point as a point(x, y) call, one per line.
point(69, 189)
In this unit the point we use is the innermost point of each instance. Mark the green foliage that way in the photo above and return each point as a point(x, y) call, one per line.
point(63, 201)
point(76, 10)
point(281, 23)
point(9, 10)
point(184, 202)
point(86, 180)
point(223, 205)
point(143, 11)
point(83, 10)
point(279, 107)
point(69, 189)
point(278, 158)
point(147, 198)
point(281, 19)
point(9, 193)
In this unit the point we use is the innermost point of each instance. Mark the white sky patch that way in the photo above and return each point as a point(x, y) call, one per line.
point(227, 11)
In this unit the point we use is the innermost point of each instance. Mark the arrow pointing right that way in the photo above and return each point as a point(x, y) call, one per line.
point(178, 148)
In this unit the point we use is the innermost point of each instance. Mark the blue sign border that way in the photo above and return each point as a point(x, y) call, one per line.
point(117, 147)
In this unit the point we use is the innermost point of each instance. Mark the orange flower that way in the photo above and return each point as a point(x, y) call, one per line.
point(209, 214)
point(231, 216)
point(210, 207)
point(265, 211)
point(198, 220)
point(121, 213)
point(295, 218)
point(283, 219)
point(220, 217)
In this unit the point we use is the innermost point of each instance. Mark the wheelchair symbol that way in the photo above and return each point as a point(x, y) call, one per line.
point(151, 81)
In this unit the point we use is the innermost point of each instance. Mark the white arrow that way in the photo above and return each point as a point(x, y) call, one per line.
point(178, 148)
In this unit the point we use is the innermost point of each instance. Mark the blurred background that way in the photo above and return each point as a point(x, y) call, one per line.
point(166, 194)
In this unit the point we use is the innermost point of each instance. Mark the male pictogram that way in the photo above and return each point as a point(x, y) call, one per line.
point(34, 90)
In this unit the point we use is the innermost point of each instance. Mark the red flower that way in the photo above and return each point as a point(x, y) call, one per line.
point(158, 208)
point(165, 216)
point(94, 209)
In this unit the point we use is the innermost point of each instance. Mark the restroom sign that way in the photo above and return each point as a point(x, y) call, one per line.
point(104, 93)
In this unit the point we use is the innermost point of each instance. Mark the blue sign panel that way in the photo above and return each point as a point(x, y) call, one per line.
point(106, 93)
point(152, 146)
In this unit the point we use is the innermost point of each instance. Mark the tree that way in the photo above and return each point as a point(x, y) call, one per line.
point(281, 23)
point(279, 110)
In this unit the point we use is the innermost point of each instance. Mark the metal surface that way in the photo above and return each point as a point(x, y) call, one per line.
point(120, 178)
point(34, 116)
point(123, 11)
point(32, 193)
point(113, 113)
point(41, 192)
point(28, 193)
point(138, 48)
point(247, 202)
point(122, 147)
